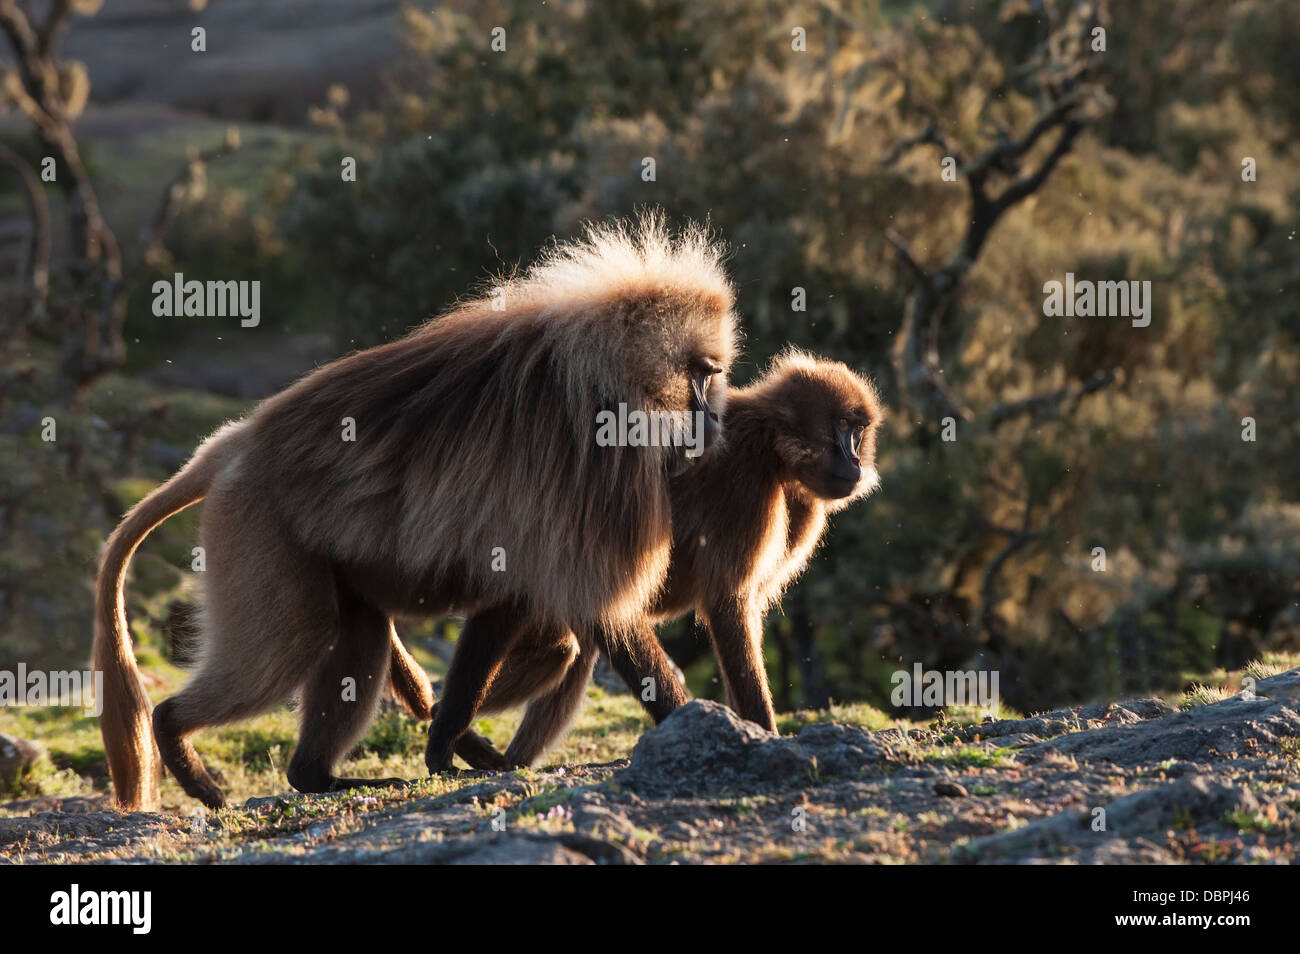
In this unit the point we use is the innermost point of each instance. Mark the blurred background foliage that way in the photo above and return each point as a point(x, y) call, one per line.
point(978, 552)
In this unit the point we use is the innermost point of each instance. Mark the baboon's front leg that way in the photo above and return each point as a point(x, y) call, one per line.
point(548, 716)
point(737, 636)
point(482, 647)
point(641, 662)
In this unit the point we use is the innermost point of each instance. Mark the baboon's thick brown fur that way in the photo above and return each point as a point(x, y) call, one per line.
point(474, 439)
point(746, 519)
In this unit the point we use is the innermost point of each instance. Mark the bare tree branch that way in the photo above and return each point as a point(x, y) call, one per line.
point(1017, 540)
point(55, 25)
point(905, 255)
point(1027, 186)
point(918, 363)
point(930, 135)
point(1003, 156)
point(35, 272)
point(182, 185)
point(1040, 405)
point(94, 337)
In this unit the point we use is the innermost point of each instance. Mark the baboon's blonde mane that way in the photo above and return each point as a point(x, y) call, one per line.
point(617, 279)
point(627, 259)
point(478, 430)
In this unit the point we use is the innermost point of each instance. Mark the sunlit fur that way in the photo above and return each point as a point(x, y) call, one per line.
point(474, 432)
point(746, 520)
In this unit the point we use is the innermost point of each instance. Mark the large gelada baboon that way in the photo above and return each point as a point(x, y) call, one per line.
point(800, 444)
point(456, 469)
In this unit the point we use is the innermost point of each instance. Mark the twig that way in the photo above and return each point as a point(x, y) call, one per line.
point(1050, 402)
point(170, 204)
point(36, 270)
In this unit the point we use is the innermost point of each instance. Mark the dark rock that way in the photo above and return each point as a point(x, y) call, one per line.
point(1134, 824)
point(949, 789)
point(705, 749)
point(68, 804)
point(277, 802)
point(1061, 721)
point(680, 831)
point(496, 849)
point(598, 850)
point(1284, 687)
point(508, 850)
point(1204, 734)
point(1197, 800)
point(840, 749)
point(597, 821)
point(105, 828)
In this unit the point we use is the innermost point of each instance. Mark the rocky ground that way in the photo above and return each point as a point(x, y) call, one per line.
point(1135, 782)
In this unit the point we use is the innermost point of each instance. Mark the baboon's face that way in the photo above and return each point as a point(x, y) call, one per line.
point(833, 424)
point(687, 373)
point(706, 382)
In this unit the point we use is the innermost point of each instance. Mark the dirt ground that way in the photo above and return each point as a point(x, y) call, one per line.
point(1130, 783)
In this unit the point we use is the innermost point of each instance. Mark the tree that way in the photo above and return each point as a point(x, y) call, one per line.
point(52, 93)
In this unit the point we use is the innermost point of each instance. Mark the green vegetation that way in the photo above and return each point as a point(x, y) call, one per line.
point(1251, 822)
point(968, 756)
point(1203, 696)
point(251, 756)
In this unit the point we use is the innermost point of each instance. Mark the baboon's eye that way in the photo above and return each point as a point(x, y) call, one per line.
point(701, 372)
point(861, 430)
point(843, 425)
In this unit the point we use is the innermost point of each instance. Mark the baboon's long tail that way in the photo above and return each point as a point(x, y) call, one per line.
point(410, 683)
point(125, 721)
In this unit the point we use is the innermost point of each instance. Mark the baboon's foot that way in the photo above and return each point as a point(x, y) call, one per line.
point(438, 755)
point(480, 753)
point(343, 784)
point(181, 758)
point(205, 791)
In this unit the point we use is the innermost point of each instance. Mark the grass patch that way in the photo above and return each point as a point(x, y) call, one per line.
point(1202, 695)
point(250, 757)
point(1250, 823)
point(1271, 664)
point(968, 756)
point(974, 715)
point(859, 713)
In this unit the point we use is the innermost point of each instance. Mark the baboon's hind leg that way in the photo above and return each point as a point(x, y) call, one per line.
point(219, 693)
point(171, 731)
point(548, 716)
point(269, 609)
point(340, 699)
point(539, 662)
